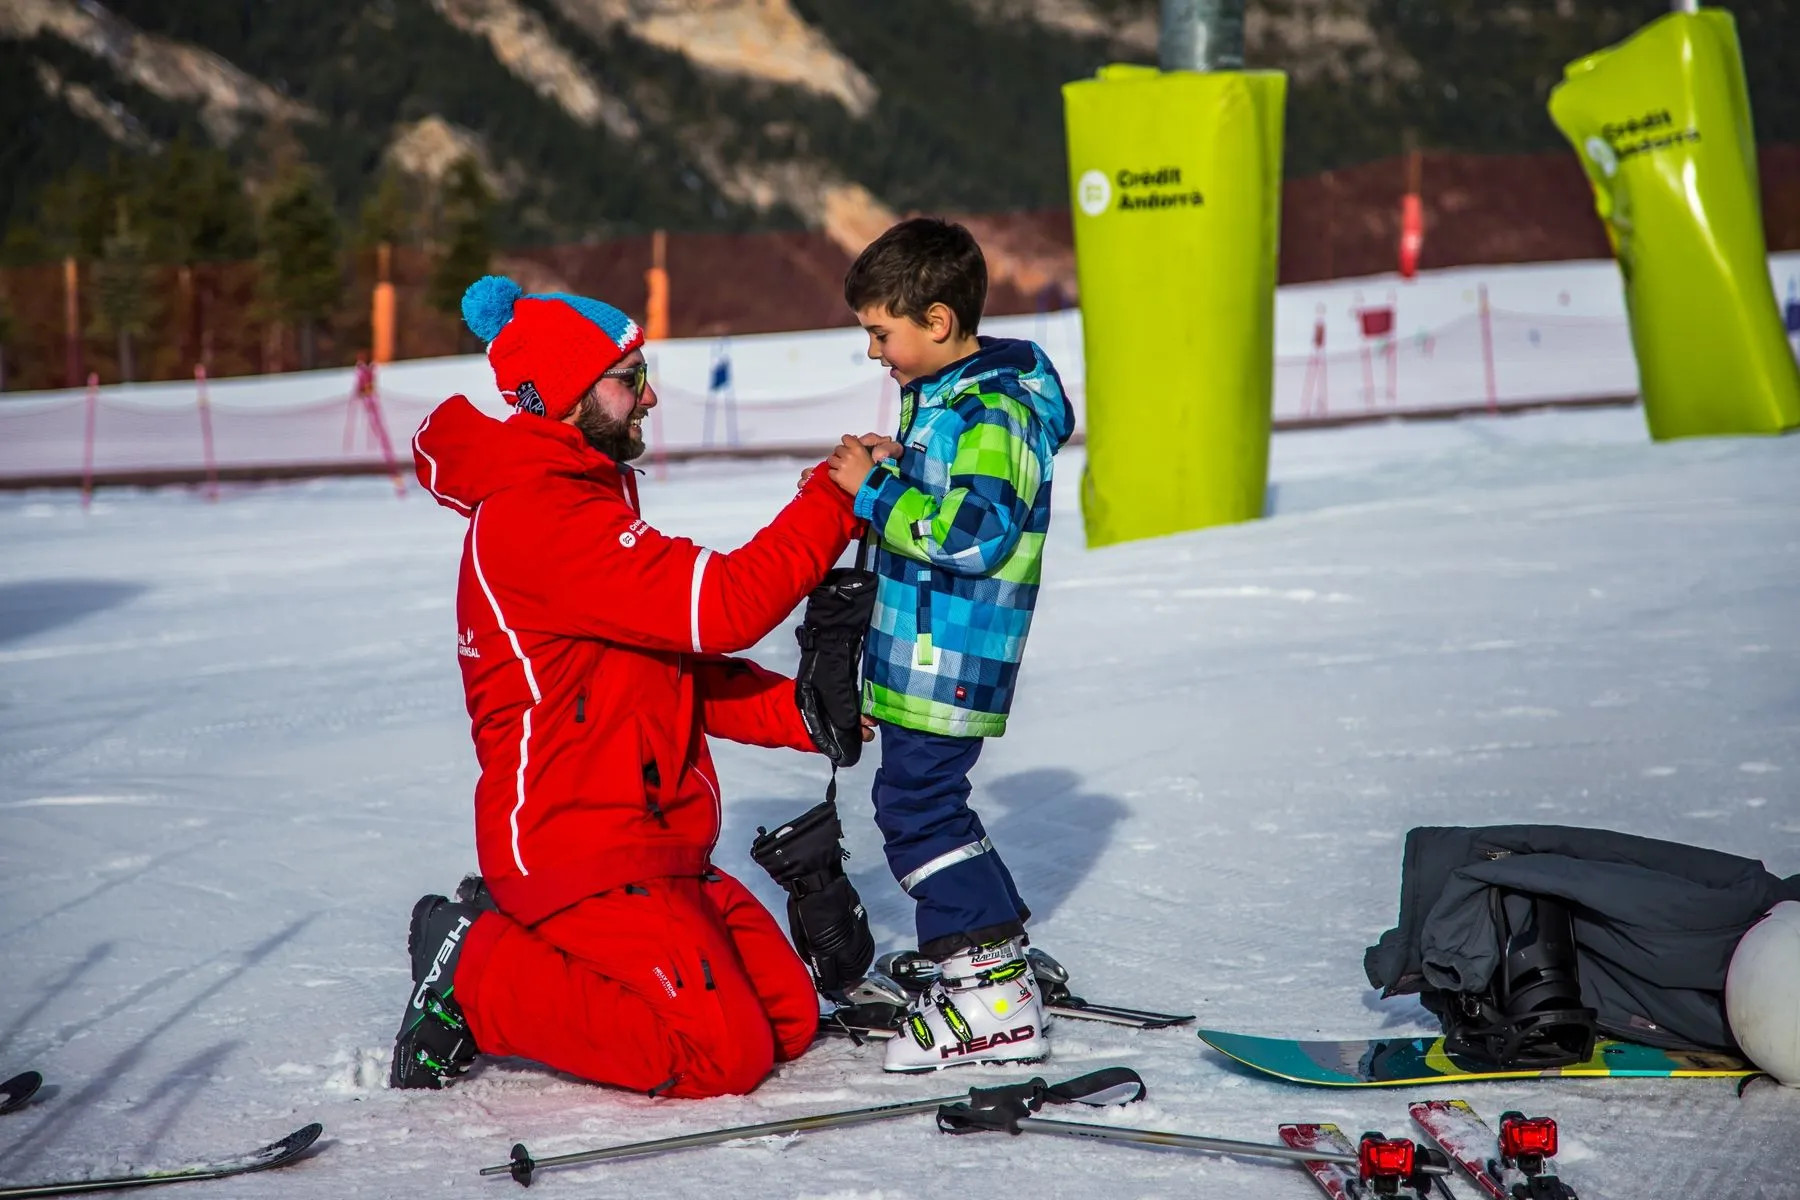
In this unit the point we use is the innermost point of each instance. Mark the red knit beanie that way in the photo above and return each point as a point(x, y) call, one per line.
point(546, 351)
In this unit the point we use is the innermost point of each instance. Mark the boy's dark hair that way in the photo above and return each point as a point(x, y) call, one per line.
point(918, 263)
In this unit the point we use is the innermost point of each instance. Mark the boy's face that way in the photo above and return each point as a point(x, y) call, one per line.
point(908, 348)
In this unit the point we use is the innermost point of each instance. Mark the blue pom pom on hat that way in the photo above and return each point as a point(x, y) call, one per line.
point(546, 351)
point(487, 305)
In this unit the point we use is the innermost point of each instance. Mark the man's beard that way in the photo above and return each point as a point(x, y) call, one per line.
point(608, 435)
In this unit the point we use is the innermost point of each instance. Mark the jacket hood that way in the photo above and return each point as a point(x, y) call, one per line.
point(1034, 380)
point(463, 456)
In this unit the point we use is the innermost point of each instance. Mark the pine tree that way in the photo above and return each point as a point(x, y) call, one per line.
point(197, 209)
point(465, 207)
point(196, 214)
point(302, 275)
point(389, 214)
point(122, 289)
point(76, 213)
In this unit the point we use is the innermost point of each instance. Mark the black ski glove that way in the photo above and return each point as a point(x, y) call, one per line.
point(831, 642)
point(825, 915)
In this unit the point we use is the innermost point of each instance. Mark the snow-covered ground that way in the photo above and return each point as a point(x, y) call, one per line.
point(233, 752)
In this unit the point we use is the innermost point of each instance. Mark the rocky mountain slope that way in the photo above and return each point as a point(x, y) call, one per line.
point(594, 118)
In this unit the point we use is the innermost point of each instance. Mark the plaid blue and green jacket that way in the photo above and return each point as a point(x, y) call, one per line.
point(959, 524)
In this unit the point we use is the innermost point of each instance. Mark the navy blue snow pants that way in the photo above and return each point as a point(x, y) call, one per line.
point(936, 846)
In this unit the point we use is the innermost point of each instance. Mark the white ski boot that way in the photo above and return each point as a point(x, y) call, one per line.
point(983, 1008)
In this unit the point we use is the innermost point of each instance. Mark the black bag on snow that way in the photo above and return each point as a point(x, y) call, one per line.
point(1513, 934)
point(831, 644)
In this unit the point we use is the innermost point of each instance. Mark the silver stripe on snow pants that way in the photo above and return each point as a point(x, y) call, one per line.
point(947, 859)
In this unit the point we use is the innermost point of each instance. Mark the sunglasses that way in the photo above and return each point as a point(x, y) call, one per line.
point(634, 377)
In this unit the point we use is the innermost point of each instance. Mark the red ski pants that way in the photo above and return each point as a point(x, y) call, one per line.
point(683, 986)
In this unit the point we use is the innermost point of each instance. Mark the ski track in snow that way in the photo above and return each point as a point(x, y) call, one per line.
point(233, 751)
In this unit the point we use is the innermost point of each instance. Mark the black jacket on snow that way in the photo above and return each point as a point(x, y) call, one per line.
point(1655, 922)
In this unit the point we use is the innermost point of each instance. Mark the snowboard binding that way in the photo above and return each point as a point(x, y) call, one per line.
point(1530, 1015)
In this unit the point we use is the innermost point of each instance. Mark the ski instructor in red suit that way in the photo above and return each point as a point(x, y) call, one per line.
point(601, 939)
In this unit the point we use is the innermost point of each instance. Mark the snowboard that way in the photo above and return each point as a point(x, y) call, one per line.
point(1389, 1062)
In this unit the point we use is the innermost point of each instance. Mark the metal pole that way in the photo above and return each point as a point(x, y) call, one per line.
point(1686, 6)
point(713, 1137)
point(1201, 35)
point(1187, 1141)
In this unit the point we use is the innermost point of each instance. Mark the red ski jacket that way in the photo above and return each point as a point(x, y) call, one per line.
point(592, 653)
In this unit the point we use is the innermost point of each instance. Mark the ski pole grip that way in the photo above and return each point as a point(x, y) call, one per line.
point(1000, 1117)
point(1028, 1095)
point(1109, 1085)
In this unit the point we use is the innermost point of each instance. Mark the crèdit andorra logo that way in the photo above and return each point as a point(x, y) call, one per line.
point(1093, 193)
point(1647, 133)
point(1135, 191)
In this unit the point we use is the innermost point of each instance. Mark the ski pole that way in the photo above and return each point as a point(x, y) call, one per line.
point(1111, 1085)
point(976, 1116)
point(1188, 1141)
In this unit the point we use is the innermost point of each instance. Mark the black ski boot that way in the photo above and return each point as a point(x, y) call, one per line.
point(434, 1045)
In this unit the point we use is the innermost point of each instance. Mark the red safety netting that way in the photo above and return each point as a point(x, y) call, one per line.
point(1493, 358)
point(1490, 358)
point(97, 436)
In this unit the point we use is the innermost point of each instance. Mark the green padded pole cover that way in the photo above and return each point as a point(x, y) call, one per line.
point(1662, 125)
point(1175, 182)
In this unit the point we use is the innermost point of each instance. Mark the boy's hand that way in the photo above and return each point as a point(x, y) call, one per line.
point(868, 728)
point(850, 464)
point(882, 448)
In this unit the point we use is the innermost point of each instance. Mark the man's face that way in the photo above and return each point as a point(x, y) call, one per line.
point(611, 417)
point(905, 347)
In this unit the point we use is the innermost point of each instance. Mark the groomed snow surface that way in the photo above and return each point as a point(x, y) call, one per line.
point(233, 752)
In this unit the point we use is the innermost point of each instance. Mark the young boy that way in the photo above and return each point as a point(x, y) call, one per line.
point(958, 507)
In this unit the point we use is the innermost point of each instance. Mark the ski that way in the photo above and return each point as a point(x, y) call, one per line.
point(1059, 1001)
point(875, 1008)
point(275, 1154)
point(1513, 1164)
point(1336, 1178)
point(19, 1090)
point(1064, 1004)
point(1378, 1166)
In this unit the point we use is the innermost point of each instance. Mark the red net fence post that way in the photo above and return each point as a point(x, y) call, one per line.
point(1313, 391)
point(1377, 326)
point(371, 402)
point(87, 440)
point(206, 435)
